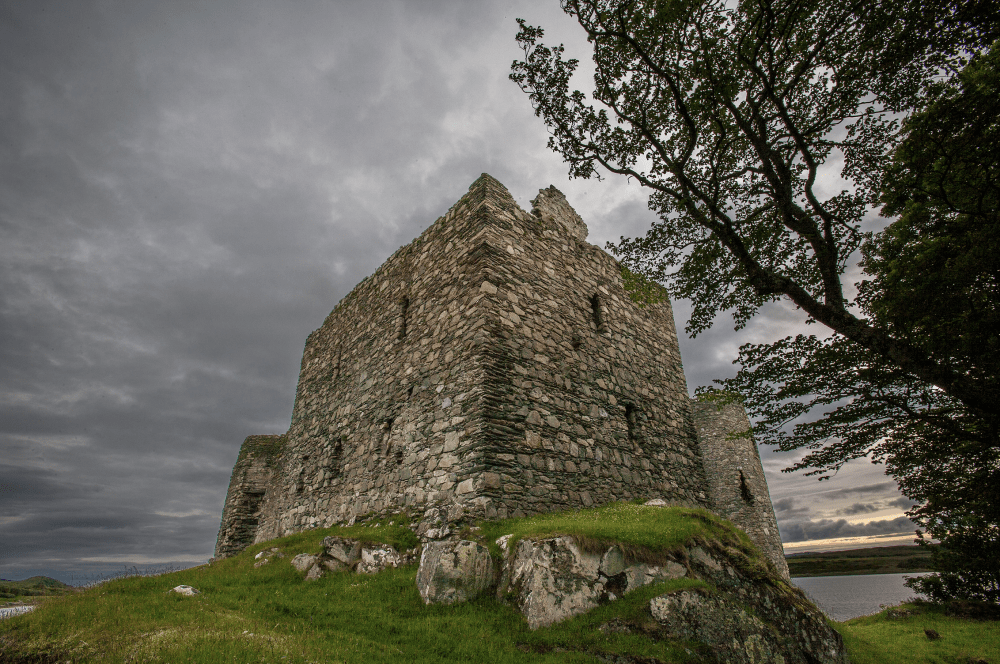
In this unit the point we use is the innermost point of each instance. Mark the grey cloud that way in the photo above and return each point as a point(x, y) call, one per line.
point(786, 508)
point(881, 487)
point(902, 502)
point(858, 508)
point(799, 531)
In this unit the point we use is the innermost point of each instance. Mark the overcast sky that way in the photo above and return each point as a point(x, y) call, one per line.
point(186, 191)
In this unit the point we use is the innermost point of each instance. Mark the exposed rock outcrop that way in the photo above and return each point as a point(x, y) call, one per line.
point(553, 579)
point(742, 609)
point(453, 572)
point(340, 553)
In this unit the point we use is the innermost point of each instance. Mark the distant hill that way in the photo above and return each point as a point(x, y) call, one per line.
point(33, 587)
point(876, 560)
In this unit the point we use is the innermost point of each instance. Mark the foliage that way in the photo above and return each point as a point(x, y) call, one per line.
point(935, 282)
point(730, 117)
point(641, 290)
point(965, 561)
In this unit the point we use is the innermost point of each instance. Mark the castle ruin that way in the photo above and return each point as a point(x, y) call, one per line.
point(496, 366)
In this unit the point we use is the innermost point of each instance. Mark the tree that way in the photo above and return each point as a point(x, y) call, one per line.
point(731, 117)
point(934, 281)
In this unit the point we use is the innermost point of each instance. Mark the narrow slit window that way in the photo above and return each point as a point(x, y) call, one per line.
point(404, 310)
point(386, 435)
point(336, 456)
point(745, 488)
point(632, 421)
point(596, 311)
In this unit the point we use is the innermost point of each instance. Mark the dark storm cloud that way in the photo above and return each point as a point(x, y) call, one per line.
point(858, 508)
point(902, 503)
point(186, 191)
point(786, 508)
point(799, 531)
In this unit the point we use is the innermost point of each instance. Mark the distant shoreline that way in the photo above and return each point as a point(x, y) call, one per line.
point(875, 560)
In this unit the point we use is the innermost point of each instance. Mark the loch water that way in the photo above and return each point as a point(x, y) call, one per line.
point(846, 597)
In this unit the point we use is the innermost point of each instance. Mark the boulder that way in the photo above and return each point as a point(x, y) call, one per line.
point(747, 629)
point(304, 561)
point(553, 579)
point(453, 572)
point(345, 551)
point(185, 590)
point(315, 573)
point(377, 557)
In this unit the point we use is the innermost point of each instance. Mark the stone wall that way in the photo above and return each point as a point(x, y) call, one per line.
point(248, 484)
point(735, 476)
point(495, 366)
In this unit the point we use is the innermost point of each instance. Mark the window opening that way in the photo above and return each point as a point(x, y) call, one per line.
point(745, 488)
point(387, 432)
point(631, 421)
point(404, 310)
point(597, 312)
point(336, 455)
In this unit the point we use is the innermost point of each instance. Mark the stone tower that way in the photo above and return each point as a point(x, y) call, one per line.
point(495, 366)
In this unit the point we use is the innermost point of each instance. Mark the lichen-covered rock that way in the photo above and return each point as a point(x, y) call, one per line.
point(749, 614)
point(453, 572)
point(315, 573)
point(377, 557)
point(304, 561)
point(553, 579)
point(733, 634)
point(739, 634)
point(345, 551)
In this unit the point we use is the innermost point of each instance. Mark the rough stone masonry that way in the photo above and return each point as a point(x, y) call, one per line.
point(496, 366)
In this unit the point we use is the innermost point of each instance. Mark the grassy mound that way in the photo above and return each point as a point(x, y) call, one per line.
point(271, 614)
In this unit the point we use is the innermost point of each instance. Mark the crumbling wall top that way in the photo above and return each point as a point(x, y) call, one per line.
point(551, 205)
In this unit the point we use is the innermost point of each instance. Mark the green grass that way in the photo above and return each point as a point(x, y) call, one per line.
point(645, 533)
point(30, 590)
point(896, 636)
point(271, 614)
point(877, 560)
